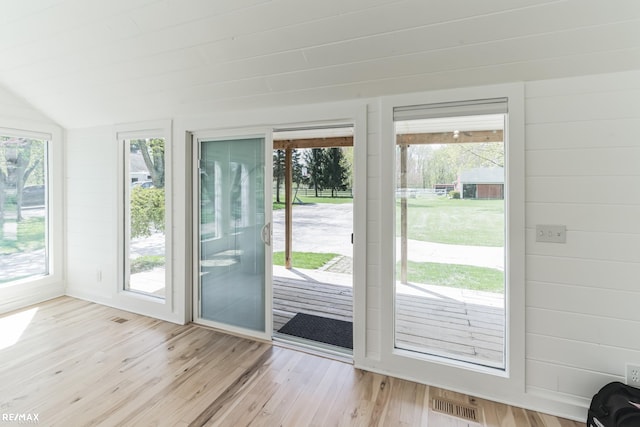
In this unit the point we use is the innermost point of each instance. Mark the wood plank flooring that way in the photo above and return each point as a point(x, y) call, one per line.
point(75, 363)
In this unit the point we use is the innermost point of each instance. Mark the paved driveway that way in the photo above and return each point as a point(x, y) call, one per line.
point(317, 228)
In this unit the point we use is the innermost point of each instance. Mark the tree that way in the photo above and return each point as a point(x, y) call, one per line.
point(441, 167)
point(441, 164)
point(485, 154)
point(278, 170)
point(148, 204)
point(335, 171)
point(298, 167)
point(347, 152)
point(315, 164)
point(147, 211)
point(152, 151)
point(299, 171)
point(23, 163)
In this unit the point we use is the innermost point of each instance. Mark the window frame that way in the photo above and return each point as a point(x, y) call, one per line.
point(435, 370)
point(430, 113)
point(130, 299)
point(31, 290)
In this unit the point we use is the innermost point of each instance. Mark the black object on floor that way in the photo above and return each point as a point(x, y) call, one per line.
point(320, 329)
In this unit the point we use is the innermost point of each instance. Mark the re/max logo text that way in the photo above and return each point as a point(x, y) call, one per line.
point(20, 418)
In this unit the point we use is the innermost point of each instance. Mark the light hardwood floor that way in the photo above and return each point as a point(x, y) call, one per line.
point(80, 364)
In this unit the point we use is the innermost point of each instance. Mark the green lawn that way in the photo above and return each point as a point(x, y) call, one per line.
point(308, 260)
point(456, 276)
point(455, 221)
point(31, 237)
point(312, 200)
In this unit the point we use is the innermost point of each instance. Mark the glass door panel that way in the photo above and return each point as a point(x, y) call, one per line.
point(232, 233)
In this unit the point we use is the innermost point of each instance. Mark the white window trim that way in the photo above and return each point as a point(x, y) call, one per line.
point(130, 300)
point(20, 293)
point(507, 385)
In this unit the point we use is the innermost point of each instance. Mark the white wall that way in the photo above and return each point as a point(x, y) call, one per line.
point(582, 170)
point(19, 115)
point(92, 214)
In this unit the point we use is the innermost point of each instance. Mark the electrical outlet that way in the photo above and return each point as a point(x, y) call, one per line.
point(551, 233)
point(633, 375)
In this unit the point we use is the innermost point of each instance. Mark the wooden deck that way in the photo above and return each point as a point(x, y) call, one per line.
point(456, 323)
point(292, 296)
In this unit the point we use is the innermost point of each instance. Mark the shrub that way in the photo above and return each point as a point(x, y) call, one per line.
point(145, 263)
point(454, 194)
point(147, 211)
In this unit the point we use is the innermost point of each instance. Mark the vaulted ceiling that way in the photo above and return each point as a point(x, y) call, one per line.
point(92, 62)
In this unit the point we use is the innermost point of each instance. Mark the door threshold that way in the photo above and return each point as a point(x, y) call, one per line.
point(313, 347)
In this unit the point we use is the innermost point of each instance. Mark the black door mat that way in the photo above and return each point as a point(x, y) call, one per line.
point(320, 329)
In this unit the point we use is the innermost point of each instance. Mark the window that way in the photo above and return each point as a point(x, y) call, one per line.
point(145, 216)
point(24, 219)
point(450, 274)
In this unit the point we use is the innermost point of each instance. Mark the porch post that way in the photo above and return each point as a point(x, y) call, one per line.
point(403, 214)
point(288, 202)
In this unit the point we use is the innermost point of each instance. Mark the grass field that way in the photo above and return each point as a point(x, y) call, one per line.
point(30, 237)
point(309, 260)
point(313, 200)
point(456, 276)
point(455, 221)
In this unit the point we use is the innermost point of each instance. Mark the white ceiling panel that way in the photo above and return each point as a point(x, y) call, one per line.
point(153, 106)
point(98, 48)
point(531, 70)
point(62, 17)
point(170, 13)
point(478, 29)
point(580, 41)
point(168, 73)
point(15, 10)
point(149, 67)
point(93, 62)
point(360, 26)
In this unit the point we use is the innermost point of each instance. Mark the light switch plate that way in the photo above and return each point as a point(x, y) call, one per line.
point(551, 233)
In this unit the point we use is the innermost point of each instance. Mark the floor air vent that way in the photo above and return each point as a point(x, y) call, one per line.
point(468, 413)
point(119, 319)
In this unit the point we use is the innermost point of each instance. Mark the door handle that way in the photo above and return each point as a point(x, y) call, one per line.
point(266, 234)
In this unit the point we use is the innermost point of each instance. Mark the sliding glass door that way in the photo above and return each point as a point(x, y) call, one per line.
point(234, 234)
